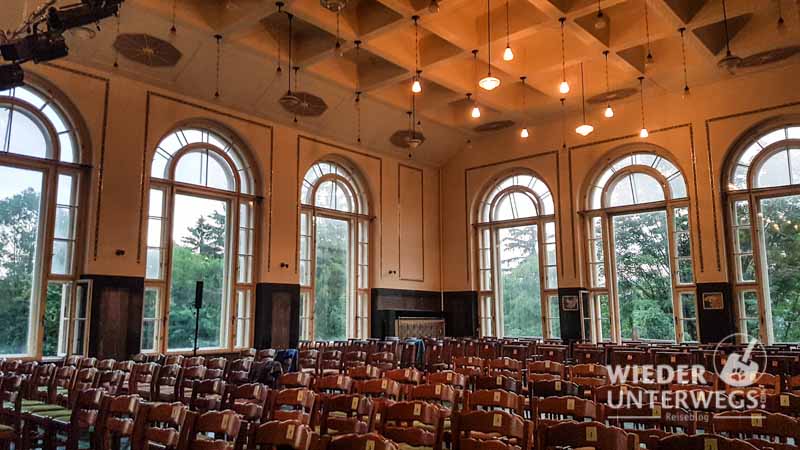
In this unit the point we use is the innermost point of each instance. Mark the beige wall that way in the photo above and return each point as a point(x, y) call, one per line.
point(696, 132)
point(124, 121)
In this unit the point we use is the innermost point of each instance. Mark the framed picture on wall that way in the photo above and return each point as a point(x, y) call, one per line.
point(713, 300)
point(569, 303)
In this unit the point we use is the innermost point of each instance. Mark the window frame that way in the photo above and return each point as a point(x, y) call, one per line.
point(359, 242)
point(242, 193)
point(486, 236)
point(51, 166)
point(606, 214)
point(752, 196)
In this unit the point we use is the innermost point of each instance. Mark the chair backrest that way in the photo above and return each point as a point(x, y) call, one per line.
point(553, 388)
point(765, 383)
point(587, 434)
point(106, 364)
point(334, 384)
point(11, 365)
point(468, 361)
point(414, 423)
point(165, 386)
point(546, 367)
point(788, 404)
point(124, 366)
point(295, 380)
point(354, 359)
point(171, 360)
point(361, 441)
point(382, 360)
point(612, 394)
point(555, 353)
point(222, 426)
point(649, 416)
point(485, 382)
point(117, 419)
point(293, 404)
point(142, 374)
point(63, 380)
point(11, 387)
point(266, 354)
point(702, 442)
point(330, 362)
point(278, 434)
point(506, 431)
point(72, 361)
point(588, 371)
point(215, 368)
point(363, 372)
point(444, 396)
point(308, 360)
point(159, 425)
point(249, 401)
point(493, 400)
point(40, 380)
point(207, 395)
point(194, 361)
point(757, 425)
point(345, 413)
point(87, 409)
point(382, 388)
point(239, 371)
point(449, 377)
point(188, 378)
point(555, 409)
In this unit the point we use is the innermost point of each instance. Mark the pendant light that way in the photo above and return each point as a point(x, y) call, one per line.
point(508, 55)
point(600, 21)
point(524, 132)
point(649, 60)
point(584, 129)
point(174, 29)
point(608, 112)
point(279, 69)
point(414, 140)
point(116, 52)
point(338, 47)
point(416, 86)
point(730, 62)
point(489, 82)
point(686, 91)
point(358, 94)
point(643, 133)
point(476, 111)
point(781, 22)
point(564, 86)
point(218, 37)
point(563, 101)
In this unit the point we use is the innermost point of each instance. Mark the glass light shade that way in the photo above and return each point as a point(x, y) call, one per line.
point(508, 55)
point(476, 112)
point(563, 87)
point(643, 133)
point(608, 113)
point(416, 87)
point(524, 133)
point(584, 130)
point(489, 83)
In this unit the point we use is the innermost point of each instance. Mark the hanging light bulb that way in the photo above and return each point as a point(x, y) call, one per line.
point(508, 55)
point(489, 82)
point(608, 112)
point(476, 111)
point(600, 21)
point(643, 133)
point(584, 129)
point(564, 86)
point(416, 86)
point(524, 133)
point(729, 62)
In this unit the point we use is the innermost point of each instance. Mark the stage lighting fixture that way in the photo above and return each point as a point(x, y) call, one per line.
point(39, 47)
point(11, 76)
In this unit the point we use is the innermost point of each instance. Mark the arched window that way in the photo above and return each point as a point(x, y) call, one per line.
point(334, 254)
point(639, 253)
point(763, 192)
point(517, 258)
point(45, 307)
point(201, 227)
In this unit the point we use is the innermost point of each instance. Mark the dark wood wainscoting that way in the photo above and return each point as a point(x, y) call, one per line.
point(277, 319)
point(115, 330)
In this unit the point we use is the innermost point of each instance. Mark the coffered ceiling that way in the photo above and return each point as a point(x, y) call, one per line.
point(255, 34)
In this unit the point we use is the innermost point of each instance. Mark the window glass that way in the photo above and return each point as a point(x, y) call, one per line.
point(518, 258)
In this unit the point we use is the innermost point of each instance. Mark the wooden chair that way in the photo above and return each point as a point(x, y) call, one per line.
point(250, 402)
point(330, 362)
point(72, 361)
point(612, 394)
point(760, 383)
point(509, 367)
point(345, 413)
point(495, 400)
point(296, 380)
point(448, 377)
point(87, 363)
point(545, 367)
point(589, 355)
point(380, 388)
point(293, 404)
point(267, 354)
point(553, 388)
point(383, 360)
point(110, 381)
point(186, 384)
point(239, 371)
point(207, 395)
point(587, 434)
point(64, 427)
point(160, 426)
point(495, 430)
point(165, 387)
point(62, 383)
point(760, 428)
point(288, 434)
point(193, 361)
point(39, 382)
point(141, 379)
point(106, 365)
point(11, 397)
point(174, 360)
point(372, 441)
point(651, 422)
point(702, 442)
point(116, 421)
point(308, 361)
point(788, 404)
point(353, 359)
point(126, 367)
point(489, 382)
point(84, 379)
point(334, 384)
point(407, 378)
point(223, 426)
point(415, 424)
point(555, 353)
point(551, 410)
point(215, 368)
point(364, 372)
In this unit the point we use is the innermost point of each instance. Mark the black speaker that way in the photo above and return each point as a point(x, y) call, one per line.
point(198, 295)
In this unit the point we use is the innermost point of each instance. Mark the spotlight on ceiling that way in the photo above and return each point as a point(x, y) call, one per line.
point(433, 7)
point(11, 76)
point(333, 5)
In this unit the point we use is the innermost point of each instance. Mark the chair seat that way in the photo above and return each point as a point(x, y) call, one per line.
point(35, 409)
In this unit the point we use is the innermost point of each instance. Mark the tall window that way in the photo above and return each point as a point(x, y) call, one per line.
point(334, 255)
point(640, 252)
point(517, 259)
point(200, 227)
point(45, 309)
point(763, 194)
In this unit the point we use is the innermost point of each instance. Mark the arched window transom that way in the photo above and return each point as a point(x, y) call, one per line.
point(647, 174)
